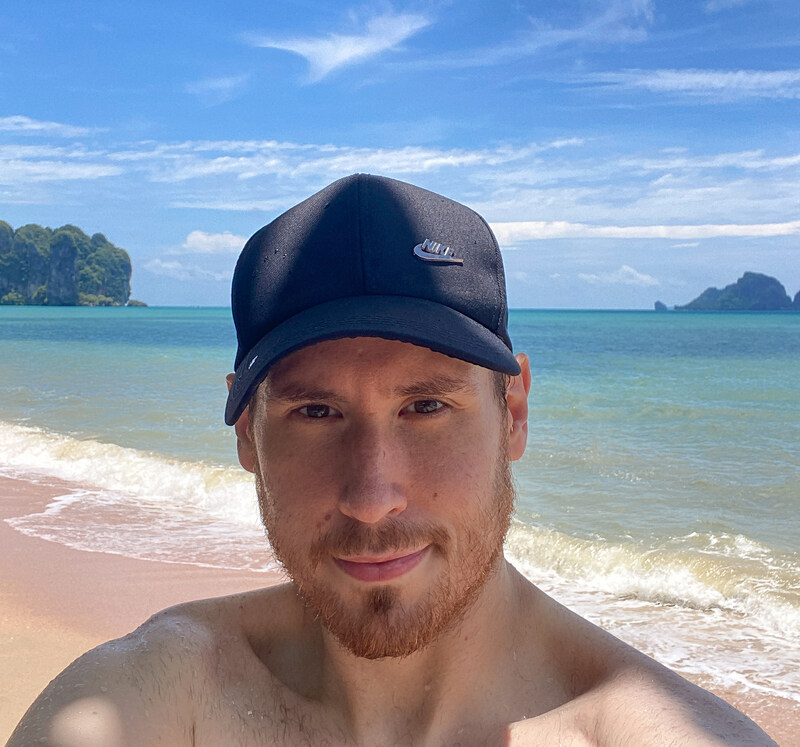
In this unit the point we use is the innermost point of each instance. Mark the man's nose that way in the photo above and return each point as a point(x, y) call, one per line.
point(373, 487)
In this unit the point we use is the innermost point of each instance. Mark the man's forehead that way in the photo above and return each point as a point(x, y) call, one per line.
point(402, 364)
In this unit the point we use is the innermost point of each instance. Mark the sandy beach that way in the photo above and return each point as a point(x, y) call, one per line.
point(56, 602)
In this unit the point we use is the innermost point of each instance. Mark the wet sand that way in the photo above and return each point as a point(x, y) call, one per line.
point(56, 603)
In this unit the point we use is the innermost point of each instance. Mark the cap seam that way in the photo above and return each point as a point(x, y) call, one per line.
point(360, 232)
point(498, 279)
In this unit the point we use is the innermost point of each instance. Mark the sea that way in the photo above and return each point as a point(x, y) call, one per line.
point(659, 495)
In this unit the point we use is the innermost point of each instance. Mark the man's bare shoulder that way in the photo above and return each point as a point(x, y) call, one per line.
point(621, 696)
point(144, 688)
point(640, 709)
point(657, 706)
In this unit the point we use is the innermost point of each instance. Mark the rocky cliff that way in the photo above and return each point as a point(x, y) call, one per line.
point(62, 267)
point(751, 292)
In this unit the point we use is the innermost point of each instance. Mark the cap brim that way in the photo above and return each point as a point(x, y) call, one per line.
point(413, 320)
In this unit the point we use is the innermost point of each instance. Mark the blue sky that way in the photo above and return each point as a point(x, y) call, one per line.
point(623, 151)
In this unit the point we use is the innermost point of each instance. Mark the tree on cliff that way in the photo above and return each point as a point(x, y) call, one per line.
point(64, 267)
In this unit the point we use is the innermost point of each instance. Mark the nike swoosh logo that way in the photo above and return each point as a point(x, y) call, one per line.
point(433, 251)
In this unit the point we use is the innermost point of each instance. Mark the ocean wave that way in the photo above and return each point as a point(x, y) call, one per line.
point(226, 493)
point(701, 572)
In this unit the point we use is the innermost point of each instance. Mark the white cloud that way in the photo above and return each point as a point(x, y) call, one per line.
point(409, 160)
point(748, 159)
point(714, 85)
point(16, 172)
point(236, 205)
point(669, 193)
point(326, 54)
point(620, 22)
point(625, 275)
point(31, 152)
point(27, 164)
point(247, 159)
point(200, 242)
point(532, 230)
point(180, 271)
point(27, 126)
point(212, 91)
point(300, 166)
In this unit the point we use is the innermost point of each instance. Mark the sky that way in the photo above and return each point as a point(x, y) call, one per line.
point(623, 151)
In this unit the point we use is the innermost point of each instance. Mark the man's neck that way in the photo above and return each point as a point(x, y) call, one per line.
point(439, 688)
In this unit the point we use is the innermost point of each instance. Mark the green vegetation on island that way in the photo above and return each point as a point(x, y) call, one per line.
point(751, 292)
point(62, 267)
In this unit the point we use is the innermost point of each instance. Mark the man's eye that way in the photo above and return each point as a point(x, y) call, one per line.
point(316, 411)
point(425, 406)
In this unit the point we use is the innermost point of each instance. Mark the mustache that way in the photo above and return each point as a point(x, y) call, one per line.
point(355, 538)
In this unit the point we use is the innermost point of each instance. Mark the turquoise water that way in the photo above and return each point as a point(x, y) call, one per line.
point(649, 423)
point(659, 494)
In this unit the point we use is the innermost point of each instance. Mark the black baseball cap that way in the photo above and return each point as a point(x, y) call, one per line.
point(369, 256)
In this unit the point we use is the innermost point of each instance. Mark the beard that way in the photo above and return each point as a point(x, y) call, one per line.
point(378, 622)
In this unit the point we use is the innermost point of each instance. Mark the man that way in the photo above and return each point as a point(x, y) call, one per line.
point(378, 403)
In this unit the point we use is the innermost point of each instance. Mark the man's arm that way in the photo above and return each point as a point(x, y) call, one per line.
point(131, 691)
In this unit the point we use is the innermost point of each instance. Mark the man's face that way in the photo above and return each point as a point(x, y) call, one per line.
point(384, 485)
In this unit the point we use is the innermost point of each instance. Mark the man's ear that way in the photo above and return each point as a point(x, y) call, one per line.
point(244, 443)
point(517, 402)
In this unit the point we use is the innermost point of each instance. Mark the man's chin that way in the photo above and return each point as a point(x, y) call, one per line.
point(381, 637)
point(375, 623)
point(382, 623)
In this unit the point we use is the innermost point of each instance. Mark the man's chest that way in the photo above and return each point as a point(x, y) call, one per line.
point(257, 711)
point(239, 722)
point(244, 705)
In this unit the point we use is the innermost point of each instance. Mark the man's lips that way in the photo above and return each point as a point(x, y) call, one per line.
point(370, 569)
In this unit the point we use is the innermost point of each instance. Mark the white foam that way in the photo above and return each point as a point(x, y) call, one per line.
point(224, 492)
point(137, 504)
point(62, 502)
point(680, 573)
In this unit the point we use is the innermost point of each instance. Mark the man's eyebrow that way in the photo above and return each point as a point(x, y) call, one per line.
point(433, 386)
point(437, 386)
point(298, 393)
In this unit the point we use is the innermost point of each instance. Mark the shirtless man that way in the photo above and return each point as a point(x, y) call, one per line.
point(378, 404)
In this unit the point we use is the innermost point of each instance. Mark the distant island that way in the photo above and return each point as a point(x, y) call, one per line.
point(62, 267)
point(751, 292)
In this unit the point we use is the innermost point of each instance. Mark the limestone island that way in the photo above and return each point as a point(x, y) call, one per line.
point(751, 292)
point(62, 267)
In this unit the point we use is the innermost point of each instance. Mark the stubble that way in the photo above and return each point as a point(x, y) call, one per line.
point(379, 622)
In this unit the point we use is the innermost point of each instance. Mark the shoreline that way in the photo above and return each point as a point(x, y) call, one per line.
point(57, 602)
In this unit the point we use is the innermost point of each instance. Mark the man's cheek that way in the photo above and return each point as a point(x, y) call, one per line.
point(298, 476)
point(457, 473)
